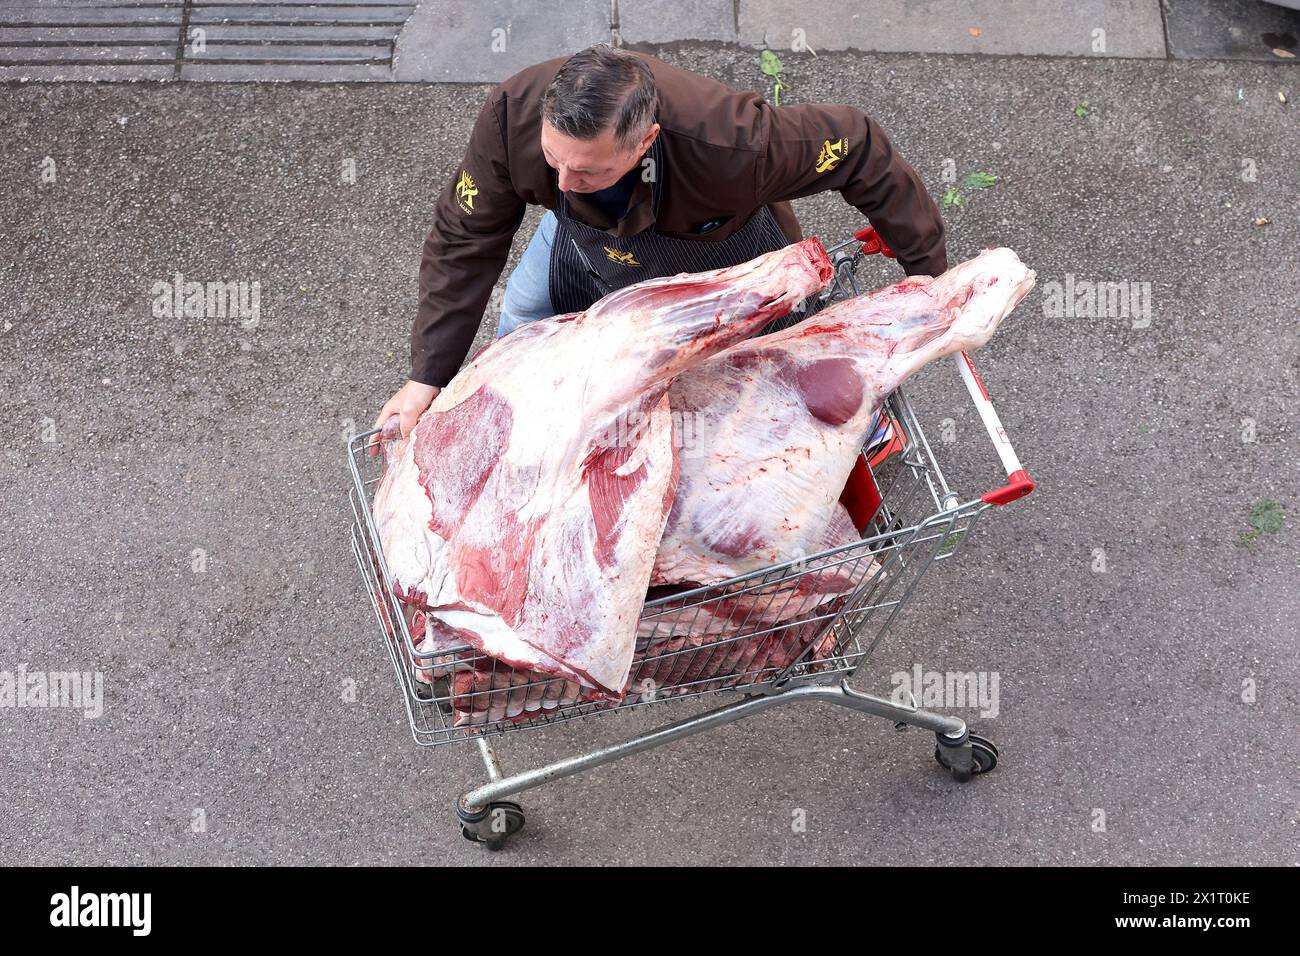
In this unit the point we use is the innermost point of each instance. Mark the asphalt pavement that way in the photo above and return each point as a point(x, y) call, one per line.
point(175, 511)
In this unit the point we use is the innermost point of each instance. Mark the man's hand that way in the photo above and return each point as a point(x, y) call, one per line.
point(408, 404)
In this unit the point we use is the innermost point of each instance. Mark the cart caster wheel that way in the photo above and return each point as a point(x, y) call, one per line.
point(984, 757)
point(494, 826)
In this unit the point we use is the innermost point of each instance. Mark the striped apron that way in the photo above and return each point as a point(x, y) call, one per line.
point(588, 263)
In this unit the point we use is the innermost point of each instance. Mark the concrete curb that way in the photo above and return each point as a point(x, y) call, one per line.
point(485, 41)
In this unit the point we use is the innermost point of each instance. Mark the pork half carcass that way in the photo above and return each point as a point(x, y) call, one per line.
point(780, 419)
point(523, 513)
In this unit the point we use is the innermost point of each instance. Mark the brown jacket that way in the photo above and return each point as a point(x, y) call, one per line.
point(727, 153)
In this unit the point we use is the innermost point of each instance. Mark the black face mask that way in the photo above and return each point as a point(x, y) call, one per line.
point(613, 200)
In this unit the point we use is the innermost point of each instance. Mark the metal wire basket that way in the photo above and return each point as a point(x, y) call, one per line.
point(796, 628)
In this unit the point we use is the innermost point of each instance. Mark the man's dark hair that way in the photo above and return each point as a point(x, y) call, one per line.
point(598, 89)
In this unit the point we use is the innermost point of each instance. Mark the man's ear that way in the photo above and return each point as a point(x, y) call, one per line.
point(649, 138)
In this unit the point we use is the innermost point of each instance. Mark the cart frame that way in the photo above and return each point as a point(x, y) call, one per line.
point(895, 556)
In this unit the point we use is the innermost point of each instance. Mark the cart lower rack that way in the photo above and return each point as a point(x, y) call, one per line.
point(775, 636)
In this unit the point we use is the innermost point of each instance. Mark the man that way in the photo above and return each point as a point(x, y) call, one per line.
point(647, 171)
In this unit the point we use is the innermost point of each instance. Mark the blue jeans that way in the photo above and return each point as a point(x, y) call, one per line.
point(528, 290)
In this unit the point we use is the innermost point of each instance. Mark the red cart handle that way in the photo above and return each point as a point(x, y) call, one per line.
point(1018, 485)
point(872, 243)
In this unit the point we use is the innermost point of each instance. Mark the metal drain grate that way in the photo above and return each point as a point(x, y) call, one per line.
point(106, 39)
point(291, 40)
point(187, 39)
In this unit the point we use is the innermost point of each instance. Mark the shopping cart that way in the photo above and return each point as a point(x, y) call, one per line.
point(775, 636)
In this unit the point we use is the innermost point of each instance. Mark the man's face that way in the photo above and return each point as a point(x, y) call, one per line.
point(588, 165)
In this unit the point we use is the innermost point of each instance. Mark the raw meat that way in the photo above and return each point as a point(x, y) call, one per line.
point(489, 696)
point(696, 644)
point(523, 513)
point(754, 626)
point(786, 414)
